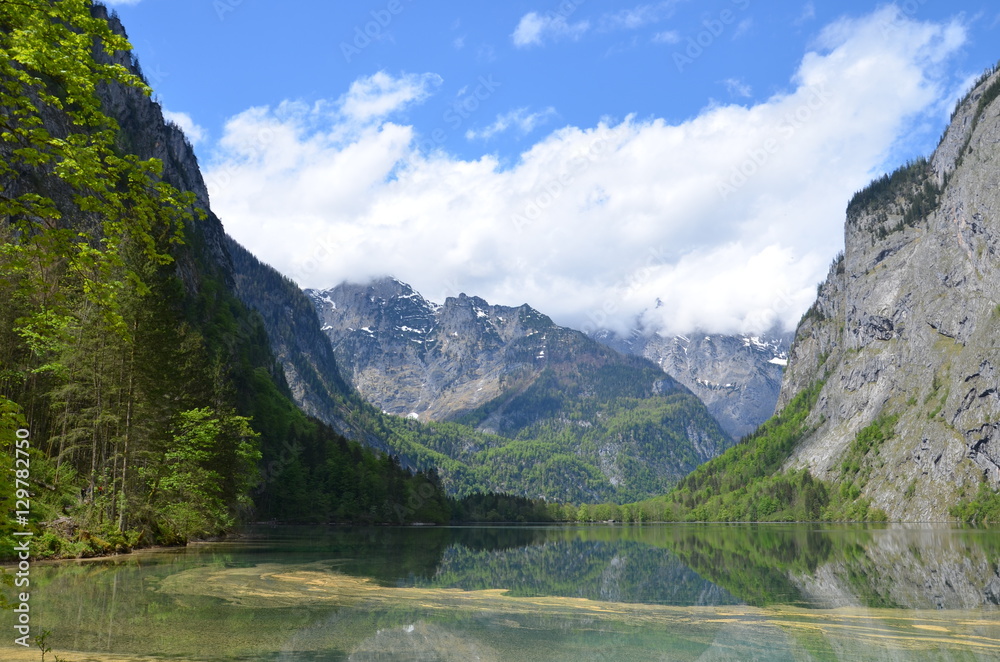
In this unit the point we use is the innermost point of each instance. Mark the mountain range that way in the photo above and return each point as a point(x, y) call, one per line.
point(493, 397)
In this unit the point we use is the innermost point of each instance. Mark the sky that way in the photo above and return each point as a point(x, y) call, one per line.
point(673, 166)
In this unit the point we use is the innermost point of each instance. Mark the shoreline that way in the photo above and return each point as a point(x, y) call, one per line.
point(11, 562)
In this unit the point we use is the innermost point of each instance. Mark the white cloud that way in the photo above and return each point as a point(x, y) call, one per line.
point(194, 132)
point(667, 37)
point(738, 88)
point(522, 120)
point(729, 218)
point(380, 94)
point(533, 29)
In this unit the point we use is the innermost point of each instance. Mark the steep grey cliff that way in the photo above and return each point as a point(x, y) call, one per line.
point(300, 346)
point(738, 377)
point(906, 325)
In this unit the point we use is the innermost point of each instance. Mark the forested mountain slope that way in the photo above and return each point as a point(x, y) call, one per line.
point(154, 407)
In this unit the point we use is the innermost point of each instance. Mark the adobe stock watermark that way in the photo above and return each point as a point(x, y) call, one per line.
point(371, 31)
point(23, 535)
point(547, 193)
point(762, 319)
point(907, 10)
point(713, 28)
point(250, 150)
point(417, 500)
point(276, 467)
point(757, 157)
point(460, 111)
point(565, 9)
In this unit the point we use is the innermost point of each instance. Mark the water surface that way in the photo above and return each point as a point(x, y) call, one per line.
point(652, 592)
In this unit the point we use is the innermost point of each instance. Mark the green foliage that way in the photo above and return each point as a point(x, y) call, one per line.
point(152, 397)
point(495, 507)
point(989, 95)
point(983, 77)
point(564, 457)
point(42, 641)
point(983, 509)
point(857, 463)
point(754, 563)
point(814, 313)
point(207, 473)
point(745, 482)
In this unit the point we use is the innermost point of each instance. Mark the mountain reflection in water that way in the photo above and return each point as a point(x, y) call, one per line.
point(653, 592)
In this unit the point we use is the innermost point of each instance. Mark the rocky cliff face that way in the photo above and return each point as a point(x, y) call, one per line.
point(303, 350)
point(145, 133)
point(738, 377)
point(418, 359)
point(906, 325)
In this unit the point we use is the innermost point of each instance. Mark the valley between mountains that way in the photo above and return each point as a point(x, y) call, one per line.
point(888, 407)
point(174, 385)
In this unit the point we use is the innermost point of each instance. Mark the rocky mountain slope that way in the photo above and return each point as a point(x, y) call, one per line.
point(738, 377)
point(564, 415)
point(905, 330)
point(418, 359)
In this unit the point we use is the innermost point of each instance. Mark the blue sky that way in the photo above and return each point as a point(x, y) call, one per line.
point(684, 163)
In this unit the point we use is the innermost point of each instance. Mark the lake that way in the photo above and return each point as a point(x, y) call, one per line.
point(513, 593)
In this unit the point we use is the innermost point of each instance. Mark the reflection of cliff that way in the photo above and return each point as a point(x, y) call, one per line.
point(910, 568)
point(898, 567)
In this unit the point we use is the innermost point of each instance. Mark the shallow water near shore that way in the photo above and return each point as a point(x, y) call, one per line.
point(649, 592)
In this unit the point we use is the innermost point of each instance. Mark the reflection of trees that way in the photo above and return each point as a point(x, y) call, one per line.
point(670, 564)
point(616, 571)
point(753, 562)
point(769, 564)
